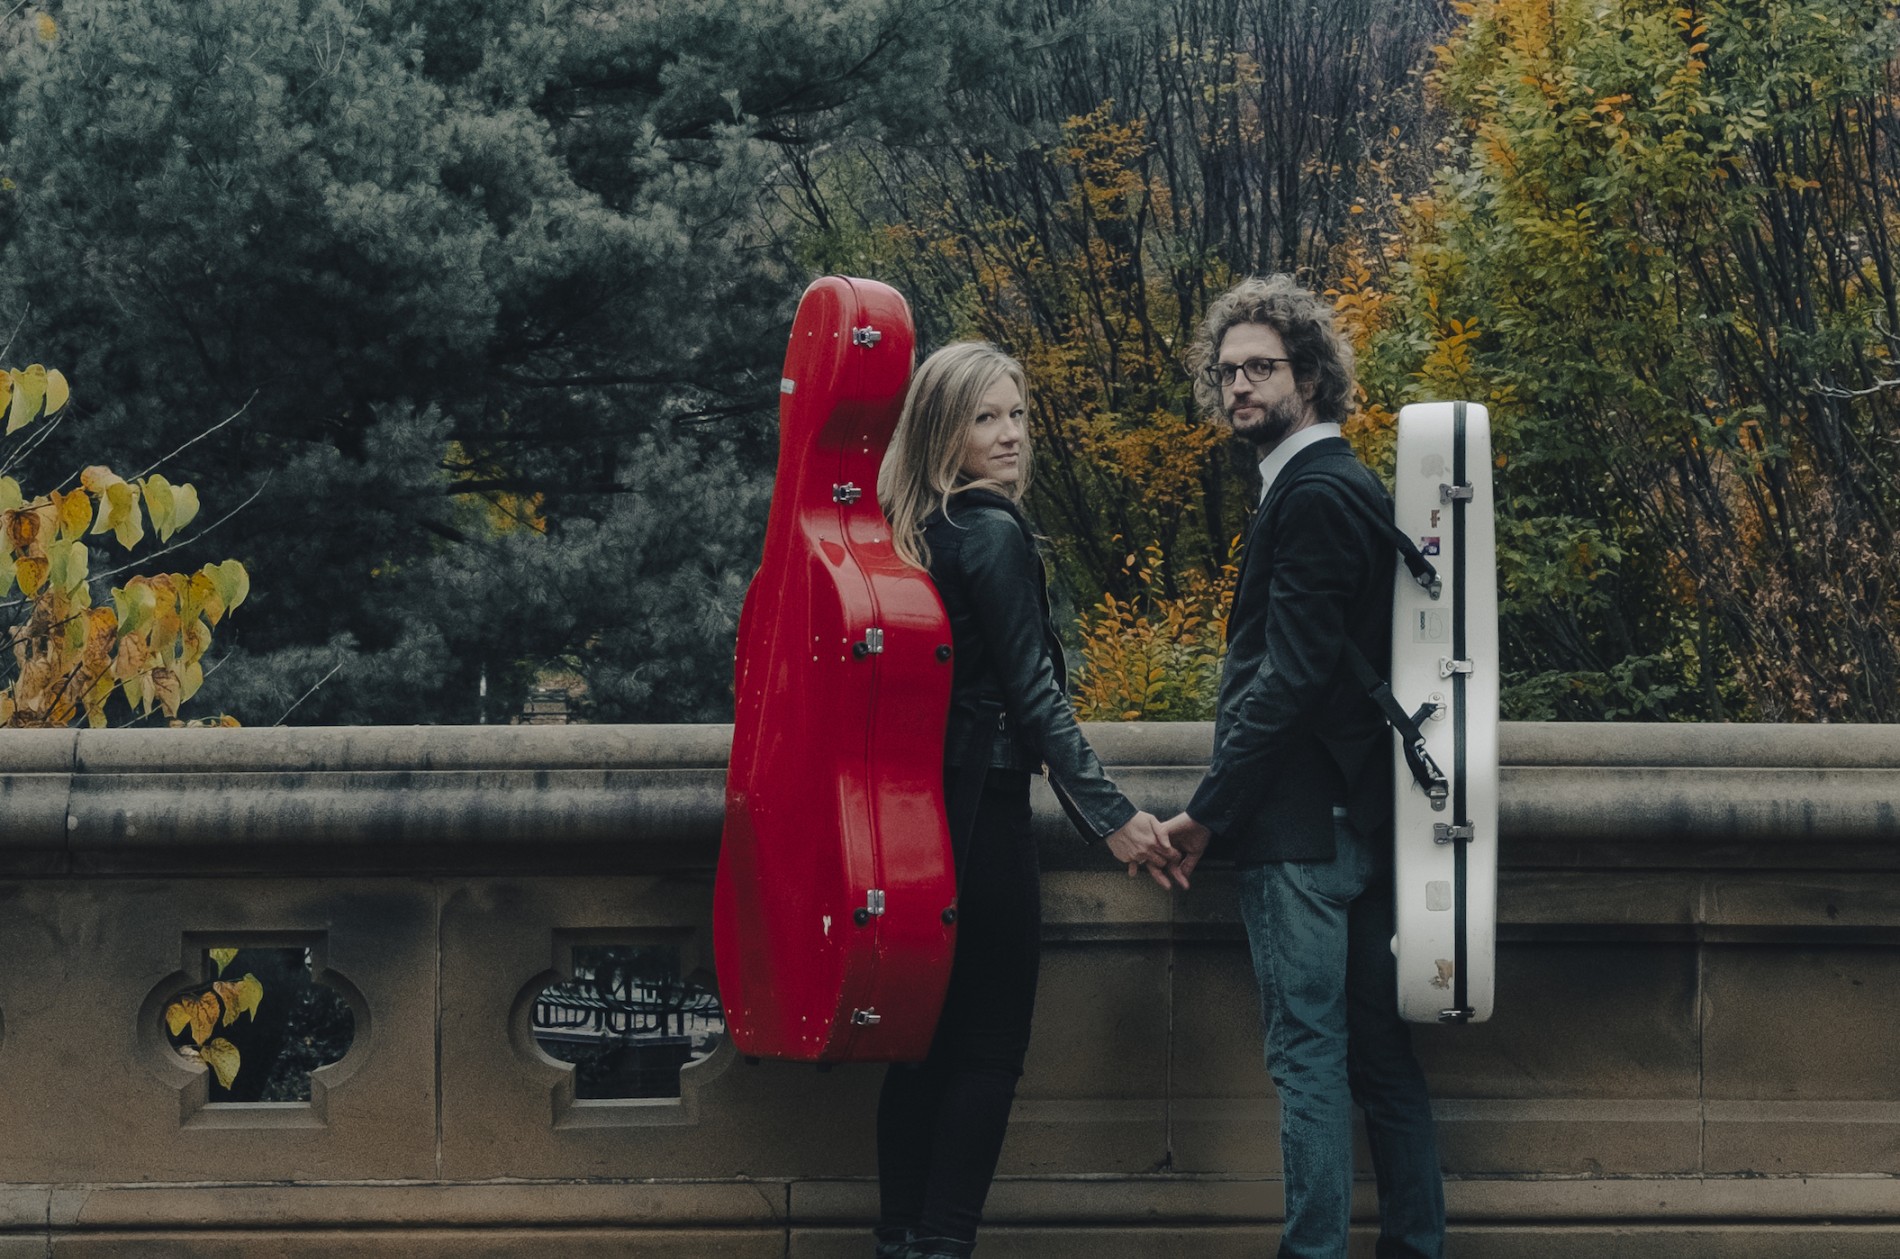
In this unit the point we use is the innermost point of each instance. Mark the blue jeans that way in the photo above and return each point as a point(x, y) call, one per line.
point(1321, 935)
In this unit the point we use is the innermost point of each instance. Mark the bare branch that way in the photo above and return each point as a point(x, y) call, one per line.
point(307, 694)
point(21, 322)
point(1835, 391)
point(163, 459)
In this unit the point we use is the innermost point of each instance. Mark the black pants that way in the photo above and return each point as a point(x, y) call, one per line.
point(940, 1122)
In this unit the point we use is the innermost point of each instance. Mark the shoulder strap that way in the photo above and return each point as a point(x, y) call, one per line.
point(1380, 518)
point(1425, 771)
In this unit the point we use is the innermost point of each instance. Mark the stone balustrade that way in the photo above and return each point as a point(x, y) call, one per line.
point(1696, 1049)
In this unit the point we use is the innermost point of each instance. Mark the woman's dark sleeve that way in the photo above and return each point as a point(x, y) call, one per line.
point(1004, 583)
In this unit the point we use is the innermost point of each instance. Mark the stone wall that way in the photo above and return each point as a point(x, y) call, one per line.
point(1696, 1050)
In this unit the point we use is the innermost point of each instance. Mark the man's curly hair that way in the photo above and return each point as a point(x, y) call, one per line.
point(1322, 359)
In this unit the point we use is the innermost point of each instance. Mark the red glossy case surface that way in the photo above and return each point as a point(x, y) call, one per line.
point(829, 926)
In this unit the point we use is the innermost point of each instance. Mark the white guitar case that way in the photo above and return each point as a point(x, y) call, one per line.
point(1445, 653)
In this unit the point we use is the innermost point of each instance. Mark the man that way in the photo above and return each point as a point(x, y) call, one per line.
point(1299, 794)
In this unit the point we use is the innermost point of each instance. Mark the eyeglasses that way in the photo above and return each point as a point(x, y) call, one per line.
point(1257, 370)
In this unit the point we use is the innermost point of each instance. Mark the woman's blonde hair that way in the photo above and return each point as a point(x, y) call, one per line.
point(923, 466)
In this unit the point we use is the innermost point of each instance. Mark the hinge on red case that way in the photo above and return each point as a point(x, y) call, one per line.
point(846, 493)
point(866, 1018)
point(866, 336)
point(871, 645)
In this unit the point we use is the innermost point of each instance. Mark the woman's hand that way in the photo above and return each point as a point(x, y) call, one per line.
point(1142, 843)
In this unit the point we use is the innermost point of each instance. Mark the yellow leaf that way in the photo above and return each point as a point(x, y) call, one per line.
point(222, 957)
point(31, 574)
point(250, 994)
point(233, 583)
point(75, 513)
point(96, 697)
point(10, 497)
point(29, 390)
point(184, 506)
point(78, 562)
point(123, 516)
point(102, 629)
point(22, 527)
point(97, 477)
point(57, 390)
point(167, 690)
point(197, 642)
point(204, 1010)
point(6, 388)
point(158, 503)
point(178, 1015)
point(192, 676)
point(222, 1057)
point(135, 603)
point(48, 31)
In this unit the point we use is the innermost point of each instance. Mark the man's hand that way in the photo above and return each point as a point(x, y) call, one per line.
point(1142, 843)
point(1189, 839)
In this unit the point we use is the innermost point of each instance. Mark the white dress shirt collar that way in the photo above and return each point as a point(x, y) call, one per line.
point(1281, 455)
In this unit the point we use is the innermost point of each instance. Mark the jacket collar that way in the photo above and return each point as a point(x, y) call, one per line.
point(978, 497)
point(1303, 459)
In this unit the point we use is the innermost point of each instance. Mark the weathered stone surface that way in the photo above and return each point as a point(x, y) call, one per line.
point(1695, 1052)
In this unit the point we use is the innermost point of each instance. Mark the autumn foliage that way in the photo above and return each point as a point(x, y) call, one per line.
point(1155, 656)
point(193, 1016)
point(71, 655)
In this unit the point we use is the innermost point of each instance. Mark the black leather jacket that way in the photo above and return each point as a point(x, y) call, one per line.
point(986, 567)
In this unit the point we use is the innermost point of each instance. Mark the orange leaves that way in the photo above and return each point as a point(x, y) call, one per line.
point(1157, 656)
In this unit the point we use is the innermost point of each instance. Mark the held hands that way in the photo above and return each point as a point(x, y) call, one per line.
point(1141, 842)
point(1189, 839)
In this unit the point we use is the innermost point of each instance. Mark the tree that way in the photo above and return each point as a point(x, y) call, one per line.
point(489, 277)
point(1085, 211)
point(1662, 248)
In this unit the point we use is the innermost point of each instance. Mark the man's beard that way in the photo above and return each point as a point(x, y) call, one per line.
point(1276, 421)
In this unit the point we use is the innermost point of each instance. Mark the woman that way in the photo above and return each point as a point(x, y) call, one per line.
point(950, 484)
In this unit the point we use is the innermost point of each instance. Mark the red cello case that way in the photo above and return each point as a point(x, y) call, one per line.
point(833, 908)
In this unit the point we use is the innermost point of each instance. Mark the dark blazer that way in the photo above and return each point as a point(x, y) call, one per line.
point(989, 573)
point(1295, 734)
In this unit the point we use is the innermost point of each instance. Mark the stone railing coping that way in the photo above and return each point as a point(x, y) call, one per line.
point(634, 798)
